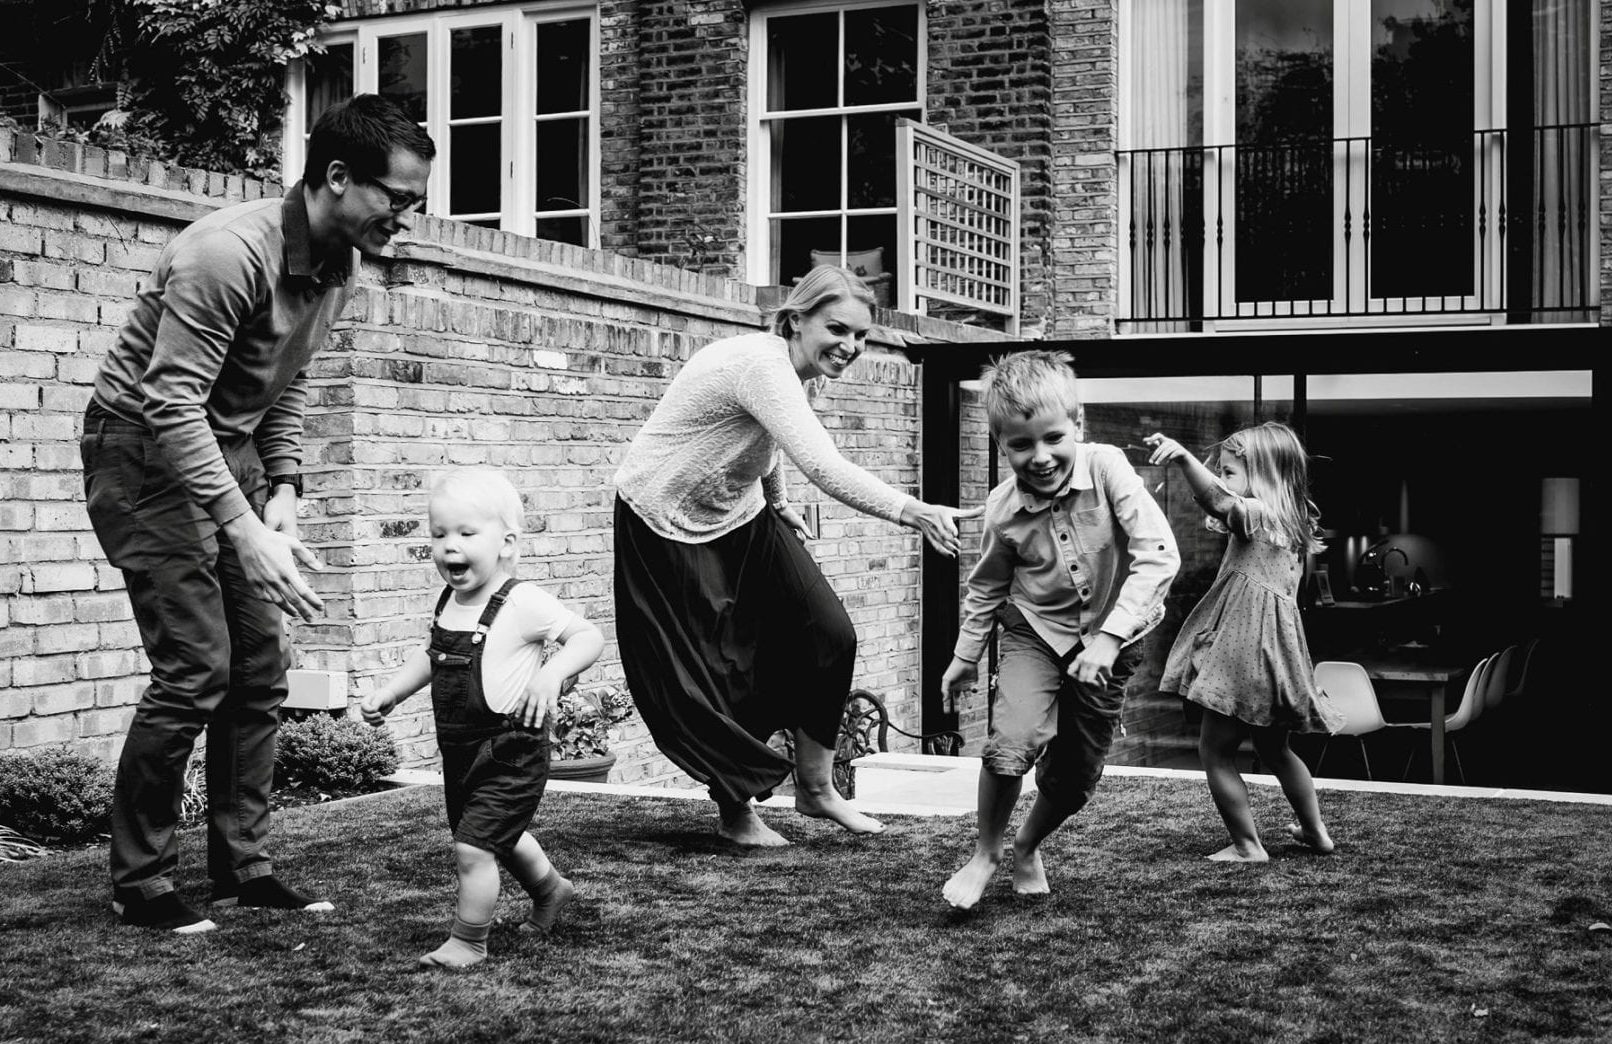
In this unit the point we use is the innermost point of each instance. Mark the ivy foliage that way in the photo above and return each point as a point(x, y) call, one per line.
point(208, 76)
point(201, 83)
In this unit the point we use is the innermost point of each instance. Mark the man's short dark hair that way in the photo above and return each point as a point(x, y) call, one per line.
point(362, 132)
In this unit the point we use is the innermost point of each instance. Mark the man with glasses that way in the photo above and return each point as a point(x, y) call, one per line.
point(192, 450)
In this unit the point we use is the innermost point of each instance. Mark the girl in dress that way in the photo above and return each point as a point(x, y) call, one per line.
point(1241, 654)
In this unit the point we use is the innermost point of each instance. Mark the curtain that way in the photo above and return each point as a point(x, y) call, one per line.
point(1565, 221)
point(1164, 229)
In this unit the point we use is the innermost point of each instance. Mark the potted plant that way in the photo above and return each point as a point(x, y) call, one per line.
point(582, 725)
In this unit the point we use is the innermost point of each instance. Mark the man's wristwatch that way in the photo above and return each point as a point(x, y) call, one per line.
point(290, 479)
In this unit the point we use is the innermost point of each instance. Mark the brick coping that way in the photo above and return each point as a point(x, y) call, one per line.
point(420, 777)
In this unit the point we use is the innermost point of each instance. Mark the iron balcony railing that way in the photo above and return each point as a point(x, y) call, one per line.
point(1493, 223)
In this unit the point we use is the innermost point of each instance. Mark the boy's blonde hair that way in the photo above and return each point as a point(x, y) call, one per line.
point(486, 490)
point(821, 285)
point(1278, 470)
point(1025, 383)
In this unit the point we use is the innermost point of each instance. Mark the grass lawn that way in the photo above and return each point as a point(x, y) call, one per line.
point(1438, 919)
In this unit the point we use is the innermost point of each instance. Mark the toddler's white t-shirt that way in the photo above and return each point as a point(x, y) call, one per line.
point(510, 660)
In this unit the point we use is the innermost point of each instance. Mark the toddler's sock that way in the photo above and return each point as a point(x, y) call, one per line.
point(549, 896)
point(466, 945)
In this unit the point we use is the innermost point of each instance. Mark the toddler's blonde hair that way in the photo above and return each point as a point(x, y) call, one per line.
point(485, 490)
point(1278, 470)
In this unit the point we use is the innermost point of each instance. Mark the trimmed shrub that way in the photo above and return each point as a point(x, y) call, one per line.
point(332, 753)
point(55, 794)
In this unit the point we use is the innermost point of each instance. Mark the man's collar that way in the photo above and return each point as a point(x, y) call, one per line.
point(1079, 478)
point(299, 262)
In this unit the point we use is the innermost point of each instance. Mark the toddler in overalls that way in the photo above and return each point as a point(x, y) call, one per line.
point(491, 695)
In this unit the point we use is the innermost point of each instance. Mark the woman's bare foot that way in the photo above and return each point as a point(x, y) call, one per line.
point(966, 886)
point(826, 803)
point(1029, 876)
point(744, 827)
point(1240, 854)
point(1321, 843)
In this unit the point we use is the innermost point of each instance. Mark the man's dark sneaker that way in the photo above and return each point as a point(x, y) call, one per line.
point(166, 911)
point(265, 893)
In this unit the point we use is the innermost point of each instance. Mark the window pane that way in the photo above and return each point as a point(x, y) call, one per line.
point(477, 61)
point(806, 163)
point(1421, 170)
point(881, 55)
point(1198, 411)
point(403, 71)
point(329, 79)
point(793, 241)
point(801, 54)
point(562, 66)
point(871, 142)
point(1284, 159)
point(473, 174)
point(870, 252)
point(562, 157)
point(571, 230)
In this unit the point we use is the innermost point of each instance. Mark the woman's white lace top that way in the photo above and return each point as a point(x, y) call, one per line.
point(706, 462)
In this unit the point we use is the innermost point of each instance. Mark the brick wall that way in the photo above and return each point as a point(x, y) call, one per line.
point(1084, 243)
point(469, 347)
point(990, 84)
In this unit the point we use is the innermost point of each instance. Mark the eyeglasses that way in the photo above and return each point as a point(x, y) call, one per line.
point(398, 200)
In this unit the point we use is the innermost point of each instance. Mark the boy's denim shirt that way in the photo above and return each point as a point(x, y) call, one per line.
point(1097, 556)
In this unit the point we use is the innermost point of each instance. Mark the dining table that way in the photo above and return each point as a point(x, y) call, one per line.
point(1426, 670)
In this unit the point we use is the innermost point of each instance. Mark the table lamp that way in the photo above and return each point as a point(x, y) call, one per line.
point(1558, 525)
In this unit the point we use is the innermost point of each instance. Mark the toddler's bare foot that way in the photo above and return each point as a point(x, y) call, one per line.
point(1029, 876)
point(746, 828)
point(966, 886)
point(828, 804)
point(1321, 843)
point(1238, 854)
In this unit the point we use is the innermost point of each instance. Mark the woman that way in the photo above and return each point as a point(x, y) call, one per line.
point(728, 630)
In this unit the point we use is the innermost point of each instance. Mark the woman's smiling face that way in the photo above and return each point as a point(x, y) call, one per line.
point(827, 340)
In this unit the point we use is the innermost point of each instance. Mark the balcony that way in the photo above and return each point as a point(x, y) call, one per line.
point(1490, 227)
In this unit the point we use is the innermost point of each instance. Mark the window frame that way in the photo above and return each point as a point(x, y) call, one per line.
point(758, 254)
point(518, 24)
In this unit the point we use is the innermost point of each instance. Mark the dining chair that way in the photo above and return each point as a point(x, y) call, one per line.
point(1495, 688)
point(1349, 688)
point(1469, 710)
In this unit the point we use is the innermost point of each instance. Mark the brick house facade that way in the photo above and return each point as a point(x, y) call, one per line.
point(1037, 81)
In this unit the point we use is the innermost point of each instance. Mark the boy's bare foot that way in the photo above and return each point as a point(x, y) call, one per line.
point(1234, 854)
point(836, 809)
point(966, 886)
point(1321, 843)
point(1029, 876)
point(746, 828)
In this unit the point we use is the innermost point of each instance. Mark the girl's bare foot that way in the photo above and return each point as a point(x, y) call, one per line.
point(744, 827)
point(826, 803)
point(1236, 854)
point(1321, 843)
point(966, 886)
point(1029, 876)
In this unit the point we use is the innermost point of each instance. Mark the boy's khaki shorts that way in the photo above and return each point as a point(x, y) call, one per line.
point(1042, 717)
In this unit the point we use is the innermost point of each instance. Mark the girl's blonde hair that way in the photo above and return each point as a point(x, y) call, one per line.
point(485, 490)
point(1278, 470)
point(1025, 383)
point(821, 285)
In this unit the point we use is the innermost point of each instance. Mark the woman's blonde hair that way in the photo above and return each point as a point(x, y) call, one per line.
point(1278, 470)
point(1025, 383)
point(485, 490)
point(821, 285)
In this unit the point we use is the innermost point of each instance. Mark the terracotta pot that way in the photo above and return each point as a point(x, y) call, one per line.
point(586, 770)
